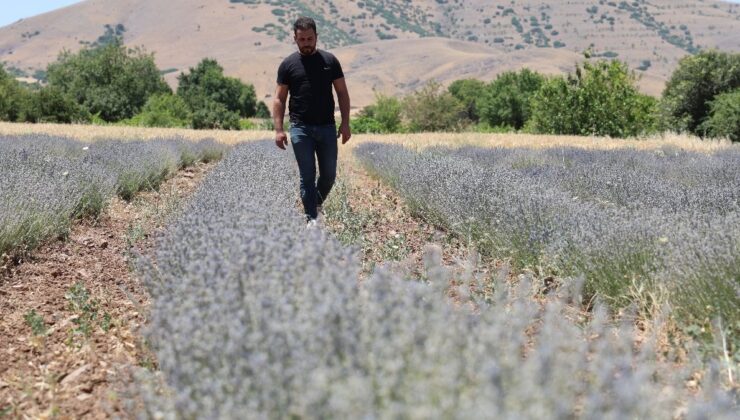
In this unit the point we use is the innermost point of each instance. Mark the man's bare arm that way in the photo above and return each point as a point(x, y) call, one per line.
point(278, 115)
point(343, 97)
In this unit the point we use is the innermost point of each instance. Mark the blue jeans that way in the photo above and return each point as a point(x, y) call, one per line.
point(319, 141)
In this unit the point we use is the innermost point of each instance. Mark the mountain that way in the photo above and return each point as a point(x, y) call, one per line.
point(390, 46)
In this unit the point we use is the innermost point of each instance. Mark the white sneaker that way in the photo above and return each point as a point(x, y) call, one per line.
point(312, 224)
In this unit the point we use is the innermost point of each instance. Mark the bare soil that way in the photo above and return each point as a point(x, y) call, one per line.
point(394, 235)
point(79, 365)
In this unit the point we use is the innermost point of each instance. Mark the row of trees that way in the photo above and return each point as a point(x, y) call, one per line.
point(115, 84)
point(601, 98)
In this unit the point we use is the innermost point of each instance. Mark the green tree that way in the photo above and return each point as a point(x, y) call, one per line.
point(214, 115)
point(507, 101)
point(433, 108)
point(207, 83)
point(12, 97)
point(724, 117)
point(164, 110)
point(697, 80)
point(599, 99)
point(111, 81)
point(262, 110)
point(468, 92)
point(49, 104)
point(384, 116)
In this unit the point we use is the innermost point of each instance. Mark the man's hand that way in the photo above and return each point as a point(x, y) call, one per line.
point(281, 139)
point(345, 132)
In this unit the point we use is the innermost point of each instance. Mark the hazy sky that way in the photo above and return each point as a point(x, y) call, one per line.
point(12, 10)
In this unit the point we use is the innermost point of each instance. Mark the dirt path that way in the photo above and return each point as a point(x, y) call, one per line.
point(367, 213)
point(71, 314)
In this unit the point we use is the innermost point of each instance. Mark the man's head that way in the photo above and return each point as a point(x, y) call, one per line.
point(304, 34)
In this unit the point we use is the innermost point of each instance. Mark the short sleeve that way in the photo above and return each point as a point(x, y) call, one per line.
point(283, 75)
point(337, 70)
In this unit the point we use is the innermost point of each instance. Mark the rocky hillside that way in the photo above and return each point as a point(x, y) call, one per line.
point(390, 46)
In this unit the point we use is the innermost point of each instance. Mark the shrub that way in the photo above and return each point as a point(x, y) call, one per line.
point(239, 328)
point(365, 124)
point(262, 110)
point(246, 124)
point(694, 84)
point(49, 181)
point(507, 101)
point(163, 110)
point(634, 223)
point(724, 117)
point(50, 104)
point(468, 92)
point(599, 99)
point(214, 115)
point(384, 116)
point(111, 81)
point(207, 83)
point(12, 97)
point(432, 108)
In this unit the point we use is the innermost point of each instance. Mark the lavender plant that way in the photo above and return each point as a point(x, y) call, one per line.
point(628, 220)
point(49, 181)
point(254, 315)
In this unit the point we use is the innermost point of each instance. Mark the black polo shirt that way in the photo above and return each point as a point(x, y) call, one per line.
point(309, 79)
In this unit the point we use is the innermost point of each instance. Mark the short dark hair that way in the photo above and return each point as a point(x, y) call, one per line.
point(304, 23)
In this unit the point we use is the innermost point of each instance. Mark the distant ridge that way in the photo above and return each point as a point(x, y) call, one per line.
point(385, 45)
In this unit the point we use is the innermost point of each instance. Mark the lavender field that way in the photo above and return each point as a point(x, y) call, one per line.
point(253, 313)
point(49, 181)
point(639, 225)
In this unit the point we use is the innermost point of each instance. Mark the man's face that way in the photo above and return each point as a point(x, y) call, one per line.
point(306, 41)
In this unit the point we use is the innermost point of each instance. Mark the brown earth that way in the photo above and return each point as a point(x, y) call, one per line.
point(67, 372)
point(70, 375)
point(473, 38)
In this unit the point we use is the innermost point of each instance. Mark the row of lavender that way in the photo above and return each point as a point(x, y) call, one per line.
point(47, 182)
point(254, 315)
point(636, 223)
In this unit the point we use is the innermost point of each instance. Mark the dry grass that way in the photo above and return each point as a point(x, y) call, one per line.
point(422, 140)
point(96, 132)
point(416, 141)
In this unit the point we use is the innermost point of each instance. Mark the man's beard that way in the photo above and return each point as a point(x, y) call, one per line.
point(307, 50)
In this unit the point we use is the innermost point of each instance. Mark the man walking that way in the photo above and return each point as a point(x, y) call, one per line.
point(309, 75)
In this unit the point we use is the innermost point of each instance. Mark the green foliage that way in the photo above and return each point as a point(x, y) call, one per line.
point(51, 105)
point(384, 116)
point(12, 97)
point(207, 83)
point(507, 101)
point(87, 309)
point(724, 117)
point(468, 91)
point(112, 81)
point(262, 110)
point(111, 35)
point(36, 322)
point(246, 124)
point(432, 108)
point(694, 84)
point(214, 115)
point(163, 110)
point(365, 124)
point(599, 99)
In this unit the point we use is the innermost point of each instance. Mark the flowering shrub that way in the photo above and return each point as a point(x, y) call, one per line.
point(48, 181)
point(629, 220)
point(254, 315)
